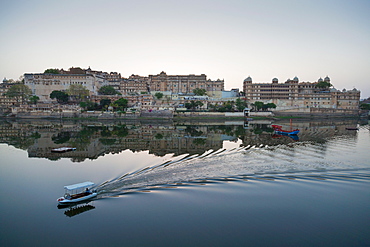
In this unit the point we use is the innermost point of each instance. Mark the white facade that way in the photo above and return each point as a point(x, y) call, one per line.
point(43, 84)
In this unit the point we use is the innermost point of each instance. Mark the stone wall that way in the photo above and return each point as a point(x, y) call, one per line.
point(156, 114)
point(223, 114)
point(318, 112)
point(199, 114)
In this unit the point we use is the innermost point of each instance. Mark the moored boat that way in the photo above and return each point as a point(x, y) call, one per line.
point(351, 128)
point(278, 130)
point(63, 149)
point(77, 192)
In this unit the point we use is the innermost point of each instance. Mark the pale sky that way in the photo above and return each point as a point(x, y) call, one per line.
point(230, 39)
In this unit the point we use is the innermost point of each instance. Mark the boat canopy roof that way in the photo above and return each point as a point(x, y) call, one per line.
point(78, 186)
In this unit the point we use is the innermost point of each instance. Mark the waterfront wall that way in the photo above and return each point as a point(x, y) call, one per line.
point(168, 114)
point(156, 114)
point(317, 112)
point(223, 114)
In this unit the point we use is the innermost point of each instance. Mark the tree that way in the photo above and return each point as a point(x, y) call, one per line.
point(105, 102)
point(51, 71)
point(20, 92)
point(199, 103)
point(78, 92)
point(213, 107)
point(158, 136)
point(33, 99)
point(365, 106)
point(270, 105)
point(108, 90)
point(88, 105)
point(226, 106)
point(323, 84)
point(158, 95)
point(240, 104)
point(120, 104)
point(21, 79)
point(258, 105)
point(199, 91)
point(62, 97)
point(193, 104)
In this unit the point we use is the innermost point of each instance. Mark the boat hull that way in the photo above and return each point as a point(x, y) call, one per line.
point(64, 201)
point(294, 132)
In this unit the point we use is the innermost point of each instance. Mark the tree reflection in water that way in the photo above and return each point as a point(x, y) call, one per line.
point(92, 139)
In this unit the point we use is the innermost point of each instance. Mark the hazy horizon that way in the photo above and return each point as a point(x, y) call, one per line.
point(228, 40)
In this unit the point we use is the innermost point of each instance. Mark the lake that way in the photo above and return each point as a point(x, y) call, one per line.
point(164, 183)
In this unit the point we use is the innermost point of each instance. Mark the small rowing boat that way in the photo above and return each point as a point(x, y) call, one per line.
point(63, 149)
point(76, 193)
point(351, 128)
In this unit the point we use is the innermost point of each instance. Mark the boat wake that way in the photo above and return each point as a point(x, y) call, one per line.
point(335, 159)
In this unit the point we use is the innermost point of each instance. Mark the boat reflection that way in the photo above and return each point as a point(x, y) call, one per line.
point(281, 135)
point(77, 208)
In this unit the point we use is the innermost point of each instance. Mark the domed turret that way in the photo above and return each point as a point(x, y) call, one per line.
point(295, 79)
point(248, 79)
point(275, 80)
point(327, 79)
point(5, 80)
point(320, 80)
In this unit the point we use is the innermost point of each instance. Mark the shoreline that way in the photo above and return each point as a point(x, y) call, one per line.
point(182, 118)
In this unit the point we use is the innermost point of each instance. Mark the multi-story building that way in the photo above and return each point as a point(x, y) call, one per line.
point(135, 101)
point(43, 84)
point(6, 101)
point(293, 93)
point(274, 90)
point(135, 84)
point(112, 79)
point(183, 83)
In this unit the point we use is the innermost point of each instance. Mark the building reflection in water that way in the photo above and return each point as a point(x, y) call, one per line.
point(94, 139)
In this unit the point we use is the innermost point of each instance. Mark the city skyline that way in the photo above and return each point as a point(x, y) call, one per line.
point(227, 40)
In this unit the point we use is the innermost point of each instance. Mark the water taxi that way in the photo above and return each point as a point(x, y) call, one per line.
point(76, 193)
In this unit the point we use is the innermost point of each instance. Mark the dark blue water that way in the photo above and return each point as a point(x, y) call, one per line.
point(252, 191)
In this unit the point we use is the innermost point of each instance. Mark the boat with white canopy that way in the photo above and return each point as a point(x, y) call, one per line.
point(77, 193)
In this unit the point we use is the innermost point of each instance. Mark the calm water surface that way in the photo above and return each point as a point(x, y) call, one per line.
point(186, 184)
